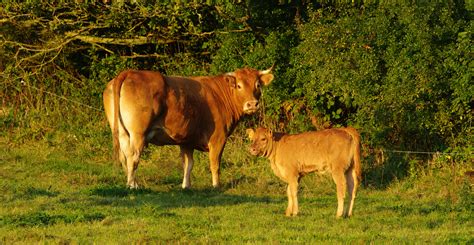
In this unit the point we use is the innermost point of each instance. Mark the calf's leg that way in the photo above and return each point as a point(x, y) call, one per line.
point(292, 192)
point(352, 183)
point(340, 181)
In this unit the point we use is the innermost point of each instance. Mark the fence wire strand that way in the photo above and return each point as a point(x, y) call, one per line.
point(60, 96)
point(262, 118)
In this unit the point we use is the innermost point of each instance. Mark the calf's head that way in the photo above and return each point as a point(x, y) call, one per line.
point(246, 87)
point(261, 141)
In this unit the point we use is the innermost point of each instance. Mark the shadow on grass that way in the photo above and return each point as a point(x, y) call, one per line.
point(41, 218)
point(380, 174)
point(34, 192)
point(205, 197)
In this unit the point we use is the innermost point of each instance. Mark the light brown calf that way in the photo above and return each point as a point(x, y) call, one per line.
point(292, 156)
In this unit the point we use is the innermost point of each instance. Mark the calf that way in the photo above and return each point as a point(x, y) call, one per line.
point(292, 156)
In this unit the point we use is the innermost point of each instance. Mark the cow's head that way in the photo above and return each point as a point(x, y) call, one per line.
point(262, 141)
point(246, 85)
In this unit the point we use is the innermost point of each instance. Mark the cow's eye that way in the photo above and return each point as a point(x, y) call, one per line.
point(263, 139)
point(257, 85)
point(239, 86)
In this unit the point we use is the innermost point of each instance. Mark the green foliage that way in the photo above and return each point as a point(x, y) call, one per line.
point(383, 68)
point(401, 73)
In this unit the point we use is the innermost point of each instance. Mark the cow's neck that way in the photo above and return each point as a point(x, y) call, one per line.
point(232, 112)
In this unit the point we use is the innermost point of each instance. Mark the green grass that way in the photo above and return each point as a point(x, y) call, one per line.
point(66, 190)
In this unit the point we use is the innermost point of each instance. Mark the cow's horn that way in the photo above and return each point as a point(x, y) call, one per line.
point(230, 74)
point(267, 71)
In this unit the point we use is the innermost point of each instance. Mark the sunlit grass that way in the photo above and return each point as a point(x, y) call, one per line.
point(69, 193)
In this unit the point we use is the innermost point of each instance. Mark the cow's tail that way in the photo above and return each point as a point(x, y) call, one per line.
point(116, 95)
point(356, 149)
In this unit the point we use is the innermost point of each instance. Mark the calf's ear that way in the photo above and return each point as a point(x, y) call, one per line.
point(270, 134)
point(250, 133)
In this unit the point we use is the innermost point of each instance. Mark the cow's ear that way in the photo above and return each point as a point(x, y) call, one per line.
point(230, 78)
point(266, 78)
point(250, 133)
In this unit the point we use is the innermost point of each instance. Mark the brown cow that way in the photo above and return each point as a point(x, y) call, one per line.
point(192, 112)
point(292, 156)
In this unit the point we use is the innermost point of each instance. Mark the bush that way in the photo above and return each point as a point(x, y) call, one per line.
point(400, 73)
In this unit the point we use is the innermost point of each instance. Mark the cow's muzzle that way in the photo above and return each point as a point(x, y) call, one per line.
point(251, 106)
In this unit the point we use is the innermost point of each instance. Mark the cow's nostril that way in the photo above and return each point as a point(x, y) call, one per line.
point(251, 104)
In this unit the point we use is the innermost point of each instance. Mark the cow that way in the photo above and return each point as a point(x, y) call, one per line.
point(292, 156)
point(196, 113)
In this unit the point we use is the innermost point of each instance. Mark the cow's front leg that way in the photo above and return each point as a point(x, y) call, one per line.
point(188, 162)
point(215, 153)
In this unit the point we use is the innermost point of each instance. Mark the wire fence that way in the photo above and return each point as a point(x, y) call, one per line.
point(263, 105)
point(432, 152)
point(60, 96)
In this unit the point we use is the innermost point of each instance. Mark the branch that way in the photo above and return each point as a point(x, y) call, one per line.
point(119, 41)
point(246, 29)
point(133, 56)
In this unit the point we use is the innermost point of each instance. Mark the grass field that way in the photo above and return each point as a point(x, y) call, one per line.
point(65, 189)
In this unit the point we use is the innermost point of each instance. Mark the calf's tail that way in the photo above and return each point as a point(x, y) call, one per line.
point(116, 95)
point(356, 149)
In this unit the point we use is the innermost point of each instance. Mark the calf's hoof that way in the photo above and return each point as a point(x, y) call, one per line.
point(290, 213)
point(342, 216)
point(133, 185)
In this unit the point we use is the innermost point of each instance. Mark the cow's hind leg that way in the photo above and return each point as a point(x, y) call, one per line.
point(123, 160)
point(188, 162)
point(124, 140)
point(340, 181)
point(352, 183)
point(132, 155)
